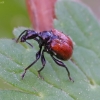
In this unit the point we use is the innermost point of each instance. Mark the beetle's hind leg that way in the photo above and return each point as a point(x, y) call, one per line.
point(62, 65)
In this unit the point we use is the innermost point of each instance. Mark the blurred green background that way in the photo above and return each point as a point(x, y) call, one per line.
point(13, 13)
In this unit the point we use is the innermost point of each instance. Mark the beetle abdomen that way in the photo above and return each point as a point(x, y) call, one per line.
point(62, 46)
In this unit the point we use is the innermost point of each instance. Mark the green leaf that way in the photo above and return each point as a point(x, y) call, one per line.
point(78, 22)
point(16, 95)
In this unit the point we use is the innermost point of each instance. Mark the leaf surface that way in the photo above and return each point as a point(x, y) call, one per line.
point(75, 20)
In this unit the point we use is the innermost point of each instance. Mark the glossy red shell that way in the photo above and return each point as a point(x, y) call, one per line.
point(62, 46)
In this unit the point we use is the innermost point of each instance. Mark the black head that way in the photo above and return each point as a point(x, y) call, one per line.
point(26, 35)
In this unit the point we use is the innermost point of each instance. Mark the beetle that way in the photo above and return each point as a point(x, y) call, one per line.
point(58, 45)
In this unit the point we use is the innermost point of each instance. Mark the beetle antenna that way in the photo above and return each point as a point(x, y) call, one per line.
point(29, 44)
point(21, 35)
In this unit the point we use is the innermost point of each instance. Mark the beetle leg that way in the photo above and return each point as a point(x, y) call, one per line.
point(62, 65)
point(38, 54)
point(43, 63)
point(29, 44)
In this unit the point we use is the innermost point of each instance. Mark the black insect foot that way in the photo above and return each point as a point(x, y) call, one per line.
point(71, 79)
point(40, 76)
point(23, 74)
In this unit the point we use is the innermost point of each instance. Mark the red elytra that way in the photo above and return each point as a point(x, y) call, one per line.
point(62, 46)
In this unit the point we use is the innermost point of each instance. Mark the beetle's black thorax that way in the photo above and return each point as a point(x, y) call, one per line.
point(45, 37)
